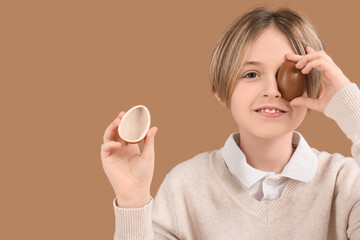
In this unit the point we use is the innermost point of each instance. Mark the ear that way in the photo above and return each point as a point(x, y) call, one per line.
point(322, 90)
point(218, 98)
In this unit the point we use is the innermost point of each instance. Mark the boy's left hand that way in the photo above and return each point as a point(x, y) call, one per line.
point(332, 76)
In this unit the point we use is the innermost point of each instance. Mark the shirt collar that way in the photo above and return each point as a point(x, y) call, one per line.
point(302, 165)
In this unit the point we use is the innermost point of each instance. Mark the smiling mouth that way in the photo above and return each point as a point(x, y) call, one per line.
point(270, 114)
point(271, 111)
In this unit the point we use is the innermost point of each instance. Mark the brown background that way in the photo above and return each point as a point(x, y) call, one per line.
point(69, 67)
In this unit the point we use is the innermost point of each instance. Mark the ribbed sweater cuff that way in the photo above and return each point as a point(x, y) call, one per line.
point(133, 223)
point(344, 107)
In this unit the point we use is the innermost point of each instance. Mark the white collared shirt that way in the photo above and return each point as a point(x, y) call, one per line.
point(268, 186)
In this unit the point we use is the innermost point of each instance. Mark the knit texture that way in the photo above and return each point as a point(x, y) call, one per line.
point(199, 199)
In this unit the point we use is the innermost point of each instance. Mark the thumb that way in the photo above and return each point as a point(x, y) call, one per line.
point(148, 150)
point(305, 102)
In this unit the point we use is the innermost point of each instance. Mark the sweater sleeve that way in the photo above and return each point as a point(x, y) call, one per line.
point(156, 220)
point(344, 108)
point(353, 230)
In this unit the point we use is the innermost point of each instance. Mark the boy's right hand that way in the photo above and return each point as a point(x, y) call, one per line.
point(129, 171)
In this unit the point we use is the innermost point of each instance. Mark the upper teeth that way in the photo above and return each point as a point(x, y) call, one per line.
point(269, 111)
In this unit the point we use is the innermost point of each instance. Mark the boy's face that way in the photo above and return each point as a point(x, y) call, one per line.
point(256, 87)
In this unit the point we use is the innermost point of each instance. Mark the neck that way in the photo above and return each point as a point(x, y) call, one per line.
point(270, 155)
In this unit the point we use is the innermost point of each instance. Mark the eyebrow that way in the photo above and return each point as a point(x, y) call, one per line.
point(252, 63)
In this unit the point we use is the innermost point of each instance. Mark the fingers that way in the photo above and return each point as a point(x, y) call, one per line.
point(108, 147)
point(148, 150)
point(111, 130)
point(311, 57)
point(317, 64)
point(302, 60)
point(293, 57)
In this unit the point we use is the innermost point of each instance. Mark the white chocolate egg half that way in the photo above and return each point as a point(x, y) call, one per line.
point(135, 124)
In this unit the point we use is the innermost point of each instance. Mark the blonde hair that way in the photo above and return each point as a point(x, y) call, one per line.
point(232, 47)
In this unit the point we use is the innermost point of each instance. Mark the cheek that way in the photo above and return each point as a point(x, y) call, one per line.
point(240, 107)
point(299, 115)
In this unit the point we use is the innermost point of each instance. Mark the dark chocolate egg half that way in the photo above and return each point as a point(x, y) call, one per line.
point(291, 82)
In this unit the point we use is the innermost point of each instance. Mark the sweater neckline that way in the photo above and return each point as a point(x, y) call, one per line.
point(266, 211)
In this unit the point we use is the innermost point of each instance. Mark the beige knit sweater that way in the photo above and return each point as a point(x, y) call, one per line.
point(199, 199)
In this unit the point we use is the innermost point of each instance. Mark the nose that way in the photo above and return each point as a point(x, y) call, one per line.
point(271, 89)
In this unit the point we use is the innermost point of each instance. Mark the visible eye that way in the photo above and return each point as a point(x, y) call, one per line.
point(251, 75)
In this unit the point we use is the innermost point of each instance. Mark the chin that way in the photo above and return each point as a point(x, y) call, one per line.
point(271, 133)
